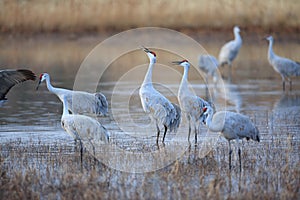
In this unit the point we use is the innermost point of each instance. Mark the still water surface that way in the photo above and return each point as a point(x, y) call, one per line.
point(34, 116)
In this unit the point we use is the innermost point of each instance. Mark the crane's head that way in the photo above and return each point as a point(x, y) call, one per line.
point(183, 63)
point(43, 77)
point(206, 111)
point(151, 54)
point(269, 38)
point(236, 29)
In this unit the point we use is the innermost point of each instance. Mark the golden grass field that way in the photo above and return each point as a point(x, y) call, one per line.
point(35, 16)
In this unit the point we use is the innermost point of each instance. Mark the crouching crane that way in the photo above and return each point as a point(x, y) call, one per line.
point(82, 127)
point(233, 126)
point(92, 103)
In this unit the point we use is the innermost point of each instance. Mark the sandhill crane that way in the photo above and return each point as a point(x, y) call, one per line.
point(160, 109)
point(209, 65)
point(284, 66)
point(233, 126)
point(92, 103)
point(11, 77)
point(230, 50)
point(82, 127)
point(190, 104)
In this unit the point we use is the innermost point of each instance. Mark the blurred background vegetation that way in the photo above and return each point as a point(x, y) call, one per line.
point(77, 16)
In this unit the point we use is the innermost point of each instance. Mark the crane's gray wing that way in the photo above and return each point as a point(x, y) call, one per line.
point(9, 78)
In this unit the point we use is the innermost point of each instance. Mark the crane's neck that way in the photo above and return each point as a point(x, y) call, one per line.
point(65, 107)
point(148, 78)
point(184, 88)
point(215, 127)
point(49, 86)
point(237, 37)
point(270, 50)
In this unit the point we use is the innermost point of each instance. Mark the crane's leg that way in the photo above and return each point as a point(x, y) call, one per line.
point(196, 131)
point(158, 131)
point(239, 153)
point(166, 128)
point(81, 151)
point(290, 81)
point(283, 83)
point(230, 152)
point(94, 152)
point(229, 72)
point(189, 129)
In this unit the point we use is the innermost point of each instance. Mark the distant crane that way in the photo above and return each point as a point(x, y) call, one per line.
point(160, 109)
point(230, 50)
point(284, 66)
point(190, 104)
point(11, 77)
point(82, 127)
point(233, 126)
point(92, 103)
point(209, 65)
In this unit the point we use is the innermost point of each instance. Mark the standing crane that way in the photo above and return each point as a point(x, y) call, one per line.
point(190, 104)
point(92, 103)
point(11, 77)
point(230, 50)
point(233, 126)
point(82, 127)
point(160, 109)
point(284, 66)
point(209, 65)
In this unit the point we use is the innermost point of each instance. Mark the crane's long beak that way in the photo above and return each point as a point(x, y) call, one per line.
point(145, 49)
point(176, 62)
point(37, 87)
point(265, 38)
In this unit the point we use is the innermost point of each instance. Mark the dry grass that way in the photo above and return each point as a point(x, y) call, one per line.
point(37, 16)
point(270, 171)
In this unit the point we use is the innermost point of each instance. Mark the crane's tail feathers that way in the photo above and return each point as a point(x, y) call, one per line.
point(176, 121)
point(298, 69)
point(256, 136)
point(102, 104)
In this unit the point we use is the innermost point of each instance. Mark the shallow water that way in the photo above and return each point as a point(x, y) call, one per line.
point(255, 87)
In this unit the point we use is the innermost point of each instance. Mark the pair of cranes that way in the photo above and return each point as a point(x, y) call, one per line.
point(287, 68)
point(77, 125)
